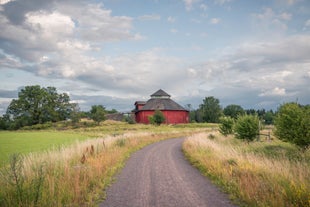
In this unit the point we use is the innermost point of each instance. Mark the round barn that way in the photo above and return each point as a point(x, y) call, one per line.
point(160, 100)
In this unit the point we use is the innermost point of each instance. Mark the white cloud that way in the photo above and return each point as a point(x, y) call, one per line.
point(97, 24)
point(215, 20)
point(5, 1)
point(271, 21)
point(56, 43)
point(192, 73)
point(274, 92)
point(50, 25)
point(274, 71)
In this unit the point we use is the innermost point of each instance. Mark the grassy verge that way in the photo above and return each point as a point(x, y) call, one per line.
point(257, 174)
point(76, 175)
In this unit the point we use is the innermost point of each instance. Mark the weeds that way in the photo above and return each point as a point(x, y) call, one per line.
point(255, 174)
point(120, 142)
point(25, 191)
point(76, 175)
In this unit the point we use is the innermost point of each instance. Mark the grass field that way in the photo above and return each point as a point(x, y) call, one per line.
point(262, 173)
point(33, 141)
point(75, 174)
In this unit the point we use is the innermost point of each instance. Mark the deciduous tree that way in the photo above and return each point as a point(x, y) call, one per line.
point(293, 124)
point(211, 109)
point(97, 113)
point(233, 111)
point(247, 127)
point(36, 105)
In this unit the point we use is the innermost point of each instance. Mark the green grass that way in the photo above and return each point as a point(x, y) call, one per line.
point(24, 142)
point(76, 175)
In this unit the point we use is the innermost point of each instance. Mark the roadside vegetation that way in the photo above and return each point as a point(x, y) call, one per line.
point(253, 165)
point(260, 173)
point(77, 174)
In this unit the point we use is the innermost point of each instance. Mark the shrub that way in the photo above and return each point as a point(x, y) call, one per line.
point(97, 113)
point(292, 124)
point(157, 118)
point(226, 125)
point(247, 127)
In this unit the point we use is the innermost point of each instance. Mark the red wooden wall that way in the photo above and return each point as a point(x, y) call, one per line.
point(172, 117)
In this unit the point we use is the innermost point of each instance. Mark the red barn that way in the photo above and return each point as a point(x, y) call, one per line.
point(160, 100)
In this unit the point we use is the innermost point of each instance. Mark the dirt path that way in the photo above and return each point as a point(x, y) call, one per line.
point(159, 175)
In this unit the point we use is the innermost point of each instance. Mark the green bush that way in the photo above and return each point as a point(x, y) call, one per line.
point(247, 127)
point(157, 118)
point(293, 124)
point(226, 125)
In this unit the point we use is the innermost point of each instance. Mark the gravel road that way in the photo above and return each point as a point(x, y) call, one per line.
point(159, 175)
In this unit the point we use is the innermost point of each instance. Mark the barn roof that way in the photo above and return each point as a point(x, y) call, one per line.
point(162, 104)
point(160, 100)
point(160, 93)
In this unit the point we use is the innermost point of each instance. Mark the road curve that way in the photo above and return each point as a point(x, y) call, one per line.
point(158, 175)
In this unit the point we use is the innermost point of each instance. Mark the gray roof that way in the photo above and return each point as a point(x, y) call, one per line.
point(162, 104)
point(159, 93)
point(160, 100)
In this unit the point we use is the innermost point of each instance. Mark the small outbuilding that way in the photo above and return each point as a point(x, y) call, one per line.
point(160, 100)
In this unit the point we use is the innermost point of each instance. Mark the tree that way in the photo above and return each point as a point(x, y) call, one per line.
point(247, 127)
point(226, 126)
point(233, 111)
point(157, 118)
point(293, 124)
point(75, 115)
point(97, 113)
point(211, 109)
point(269, 117)
point(36, 105)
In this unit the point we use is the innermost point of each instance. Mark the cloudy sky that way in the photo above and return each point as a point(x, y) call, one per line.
point(114, 52)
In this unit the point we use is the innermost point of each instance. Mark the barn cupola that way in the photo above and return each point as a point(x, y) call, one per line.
point(160, 94)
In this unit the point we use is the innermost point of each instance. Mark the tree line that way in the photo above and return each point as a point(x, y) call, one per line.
point(37, 105)
point(291, 120)
point(211, 111)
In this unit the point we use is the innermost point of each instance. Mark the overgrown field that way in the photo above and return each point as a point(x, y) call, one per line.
point(77, 174)
point(264, 173)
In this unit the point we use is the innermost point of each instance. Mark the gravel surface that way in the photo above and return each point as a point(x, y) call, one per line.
point(159, 175)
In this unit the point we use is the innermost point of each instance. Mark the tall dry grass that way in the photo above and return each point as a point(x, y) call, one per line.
point(75, 175)
point(250, 175)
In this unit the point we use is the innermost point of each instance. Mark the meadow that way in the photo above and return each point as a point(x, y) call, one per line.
point(76, 174)
point(23, 142)
point(72, 167)
point(262, 173)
